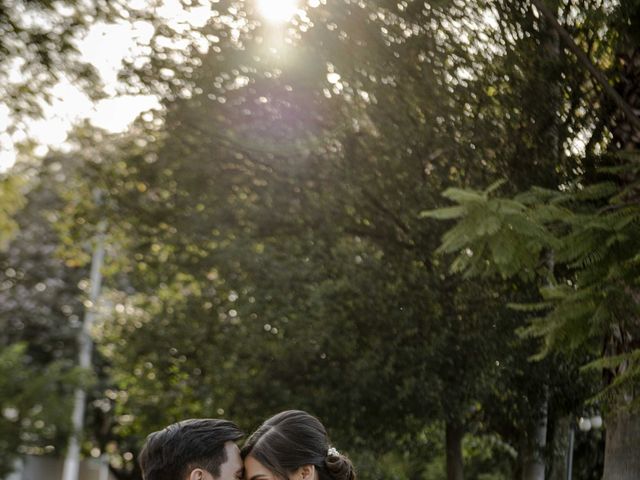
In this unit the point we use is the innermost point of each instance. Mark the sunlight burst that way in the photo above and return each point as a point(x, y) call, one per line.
point(277, 10)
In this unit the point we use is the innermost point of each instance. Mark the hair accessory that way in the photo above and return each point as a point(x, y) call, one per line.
point(332, 452)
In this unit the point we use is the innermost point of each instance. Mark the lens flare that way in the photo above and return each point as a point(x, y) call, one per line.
point(277, 11)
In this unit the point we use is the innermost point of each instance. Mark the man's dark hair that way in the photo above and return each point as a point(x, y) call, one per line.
point(172, 453)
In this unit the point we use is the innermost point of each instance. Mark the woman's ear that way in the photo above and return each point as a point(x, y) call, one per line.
point(307, 472)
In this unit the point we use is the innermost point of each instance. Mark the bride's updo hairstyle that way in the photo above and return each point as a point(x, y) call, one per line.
point(292, 439)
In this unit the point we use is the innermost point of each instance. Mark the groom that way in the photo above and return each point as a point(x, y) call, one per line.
point(197, 449)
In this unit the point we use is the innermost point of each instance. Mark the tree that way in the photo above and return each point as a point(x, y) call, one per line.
point(11, 200)
point(41, 302)
point(363, 172)
point(29, 424)
point(586, 229)
point(39, 47)
point(270, 201)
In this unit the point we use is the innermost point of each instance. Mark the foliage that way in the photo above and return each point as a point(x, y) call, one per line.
point(38, 48)
point(266, 246)
point(300, 199)
point(41, 305)
point(34, 403)
point(10, 201)
point(590, 234)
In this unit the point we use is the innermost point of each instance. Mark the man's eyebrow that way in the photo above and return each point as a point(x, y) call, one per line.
point(259, 475)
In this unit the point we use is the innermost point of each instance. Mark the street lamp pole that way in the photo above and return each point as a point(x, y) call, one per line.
point(85, 344)
point(572, 438)
point(584, 425)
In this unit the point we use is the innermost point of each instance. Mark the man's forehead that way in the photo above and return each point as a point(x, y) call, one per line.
point(233, 453)
point(232, 467)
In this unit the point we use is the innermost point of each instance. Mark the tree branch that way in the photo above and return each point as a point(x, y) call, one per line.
point(379, 237)
point(386, 211)
point(588, 64)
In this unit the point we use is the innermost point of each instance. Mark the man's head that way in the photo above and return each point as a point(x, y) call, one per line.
point(198, 449)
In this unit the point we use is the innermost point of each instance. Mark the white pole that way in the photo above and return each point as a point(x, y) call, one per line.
point(572, 436)
point(104, 467)
point(85, 344)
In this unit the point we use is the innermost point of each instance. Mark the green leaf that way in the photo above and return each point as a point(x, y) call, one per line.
point(446, 213)
point(494, 186)
point(463, 196)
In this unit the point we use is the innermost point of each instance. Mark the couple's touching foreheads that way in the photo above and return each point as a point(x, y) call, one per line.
point(292, 445)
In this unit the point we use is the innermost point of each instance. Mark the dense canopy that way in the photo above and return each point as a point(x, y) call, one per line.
point(416, 220)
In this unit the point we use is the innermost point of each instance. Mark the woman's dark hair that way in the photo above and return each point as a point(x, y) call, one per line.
point(292, 439)
point(171, 453)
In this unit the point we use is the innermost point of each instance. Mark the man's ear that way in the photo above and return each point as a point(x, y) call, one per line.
point(306, 472)
point(197, 474)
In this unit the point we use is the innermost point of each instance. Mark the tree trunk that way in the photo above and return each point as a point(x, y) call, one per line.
point(454, 434)
point(533, 456)
point(560, 453)
point(622, 445)
point(622, 448)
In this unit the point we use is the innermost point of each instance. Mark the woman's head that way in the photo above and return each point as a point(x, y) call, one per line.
point(294, 445)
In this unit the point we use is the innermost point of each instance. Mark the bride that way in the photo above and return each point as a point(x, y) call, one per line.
point(294, 445)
